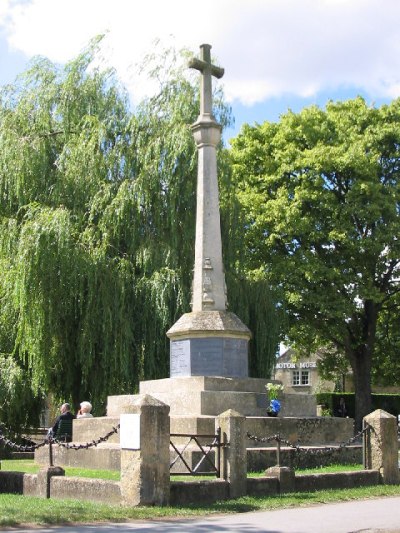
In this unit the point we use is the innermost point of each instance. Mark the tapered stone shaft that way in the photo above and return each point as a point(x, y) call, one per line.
point(209, 291)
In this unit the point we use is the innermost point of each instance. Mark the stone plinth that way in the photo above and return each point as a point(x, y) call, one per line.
point(209, 343)
point(206, 395)
point(305, 431)
point(88, 429)
point(101, 457)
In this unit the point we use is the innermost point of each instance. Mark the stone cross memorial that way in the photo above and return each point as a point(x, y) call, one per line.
point(209, 280)
point(209, 341)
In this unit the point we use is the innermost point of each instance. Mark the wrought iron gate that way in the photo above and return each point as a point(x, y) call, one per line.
point(207, 458)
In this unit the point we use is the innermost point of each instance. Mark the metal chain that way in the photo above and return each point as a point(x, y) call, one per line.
point(20, 447)
point(88, 444)
point(299, 448)
point(32, 448)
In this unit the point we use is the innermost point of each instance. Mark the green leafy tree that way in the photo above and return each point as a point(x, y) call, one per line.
point(97, 223)
point(386, 363)
point(19, 407)
point(320, 190)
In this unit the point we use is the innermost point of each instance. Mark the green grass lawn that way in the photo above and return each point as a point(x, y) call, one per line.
point(18, 510)
point(30, 467)
point(331, 468)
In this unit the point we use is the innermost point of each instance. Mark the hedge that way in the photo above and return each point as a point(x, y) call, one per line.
point(388, 402)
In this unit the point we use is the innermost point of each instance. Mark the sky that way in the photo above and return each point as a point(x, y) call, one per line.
point(277, 54)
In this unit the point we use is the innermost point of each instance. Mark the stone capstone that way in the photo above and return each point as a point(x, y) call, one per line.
point(206, 322)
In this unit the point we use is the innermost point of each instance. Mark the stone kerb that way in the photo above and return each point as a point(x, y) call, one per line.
point(381, 445)
point(144, 438)
point(234, 453)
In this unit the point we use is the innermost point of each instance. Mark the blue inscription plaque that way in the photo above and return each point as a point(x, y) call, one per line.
point(209, 356)
point(235, 357)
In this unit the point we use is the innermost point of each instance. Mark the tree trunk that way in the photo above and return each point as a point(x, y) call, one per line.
point(361, 364)
point(360, 357)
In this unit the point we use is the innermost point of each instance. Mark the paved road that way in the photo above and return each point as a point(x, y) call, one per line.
point(366, 516)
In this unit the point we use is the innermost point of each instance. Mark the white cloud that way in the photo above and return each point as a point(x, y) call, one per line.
point(268, 47)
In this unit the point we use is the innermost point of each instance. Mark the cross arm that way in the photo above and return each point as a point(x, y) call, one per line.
point(200, 65)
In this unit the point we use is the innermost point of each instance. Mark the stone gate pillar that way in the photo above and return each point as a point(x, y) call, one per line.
point(234, 455)
point(381, 446)
point(144, 440)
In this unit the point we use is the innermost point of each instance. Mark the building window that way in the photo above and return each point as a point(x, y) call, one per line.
point(300, 377)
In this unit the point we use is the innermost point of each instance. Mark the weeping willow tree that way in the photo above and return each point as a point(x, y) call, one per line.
point(97, 223)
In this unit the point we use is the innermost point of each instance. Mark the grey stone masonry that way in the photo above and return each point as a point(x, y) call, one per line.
point(381, 445)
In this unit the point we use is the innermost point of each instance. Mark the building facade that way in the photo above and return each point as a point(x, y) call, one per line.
point(299, 374)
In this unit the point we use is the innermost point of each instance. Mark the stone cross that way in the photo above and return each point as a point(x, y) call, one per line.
point(209, 341)
point(209, 292)
point(207, 70)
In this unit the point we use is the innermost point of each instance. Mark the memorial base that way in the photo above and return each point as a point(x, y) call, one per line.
point(209, 343)
point(205, 395)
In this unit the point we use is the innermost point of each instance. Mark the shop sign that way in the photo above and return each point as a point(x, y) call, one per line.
point(306, 364)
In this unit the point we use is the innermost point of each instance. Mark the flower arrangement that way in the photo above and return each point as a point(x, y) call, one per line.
point(274, 390)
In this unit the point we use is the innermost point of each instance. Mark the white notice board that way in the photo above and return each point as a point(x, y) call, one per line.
point(130, 432)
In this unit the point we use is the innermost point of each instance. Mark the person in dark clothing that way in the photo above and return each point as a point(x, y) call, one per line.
point(342, 409)
point(65, 415)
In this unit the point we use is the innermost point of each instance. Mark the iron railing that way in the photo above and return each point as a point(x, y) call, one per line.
point(207, 458)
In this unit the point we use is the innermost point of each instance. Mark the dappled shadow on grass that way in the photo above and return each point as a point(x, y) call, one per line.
point(244, 504)
point(228, 506)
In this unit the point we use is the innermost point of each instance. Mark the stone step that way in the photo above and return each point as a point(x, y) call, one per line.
point(298, 430)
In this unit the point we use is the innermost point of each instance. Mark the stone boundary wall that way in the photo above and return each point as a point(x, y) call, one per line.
point(259, 459)
point(94, 490)
point(182, 492)
point(188, 492)
point(18, 483)
point(304, 431)
point(145, 465)
point(336, 480)
point(265, 486)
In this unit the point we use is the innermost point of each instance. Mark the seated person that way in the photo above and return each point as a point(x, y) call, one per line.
point(84, 411)
point(66, 414)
